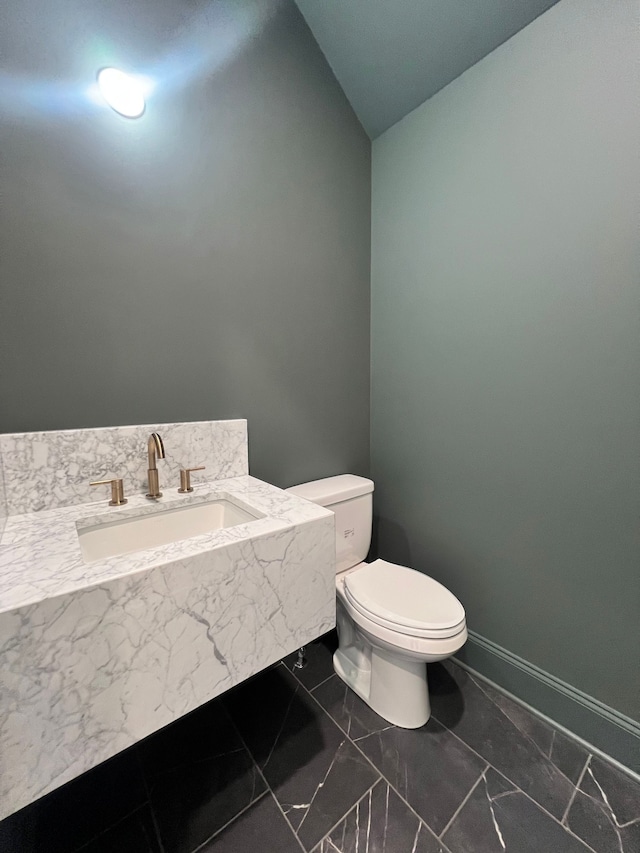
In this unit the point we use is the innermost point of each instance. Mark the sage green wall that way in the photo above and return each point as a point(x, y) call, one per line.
point(506, 345)
point(209, 260)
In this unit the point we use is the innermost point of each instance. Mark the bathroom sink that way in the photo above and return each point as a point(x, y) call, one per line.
point(144, 610)
point(137, 532)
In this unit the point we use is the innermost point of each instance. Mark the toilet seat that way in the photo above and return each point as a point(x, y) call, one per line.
point(408, 646)
point(404, 600)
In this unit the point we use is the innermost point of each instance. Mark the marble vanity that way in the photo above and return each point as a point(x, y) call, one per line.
point(96, 654)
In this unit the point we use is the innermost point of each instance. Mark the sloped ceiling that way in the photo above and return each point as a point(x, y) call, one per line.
point(391, 55)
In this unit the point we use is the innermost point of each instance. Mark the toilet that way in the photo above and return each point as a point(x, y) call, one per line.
point(392, 620)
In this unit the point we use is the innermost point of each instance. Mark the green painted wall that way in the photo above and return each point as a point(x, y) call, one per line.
point(506, 345)
point(209, 260)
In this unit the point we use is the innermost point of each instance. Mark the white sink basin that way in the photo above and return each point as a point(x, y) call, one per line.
point(172, 524)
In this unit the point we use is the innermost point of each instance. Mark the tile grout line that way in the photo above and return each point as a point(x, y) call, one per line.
point(285, 717)
point(556, 727)
point(463, 803)
point(522, 733)
point(367, 759)
point(147, 790)
point(262, 776)
point(519, 790)
point(85, 844)
point(230, 821)
point(603, 804)
point(338, 822)
point(565, 814)
point(586, 745)
point(489, 765)
point(377, 770)
point(302, 684)
point(129, 814)
point(281, 810)
point(324, 681)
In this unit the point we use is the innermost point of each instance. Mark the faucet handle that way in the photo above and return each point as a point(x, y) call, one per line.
point(185, 478)
point(117, 490)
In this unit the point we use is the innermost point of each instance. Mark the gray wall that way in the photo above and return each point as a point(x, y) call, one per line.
point(209, 260)
point(390, 56)
point(506, 345)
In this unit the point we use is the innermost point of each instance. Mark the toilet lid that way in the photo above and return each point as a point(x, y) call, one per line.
point(403, 598)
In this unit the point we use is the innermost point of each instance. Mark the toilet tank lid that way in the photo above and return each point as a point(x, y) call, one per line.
point(332, 490)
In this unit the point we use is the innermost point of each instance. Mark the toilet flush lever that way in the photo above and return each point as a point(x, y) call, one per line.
point(185, 478)
point(117, 490)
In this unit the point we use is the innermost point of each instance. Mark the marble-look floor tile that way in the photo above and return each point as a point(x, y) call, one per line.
point(135, 834)
point(319, 664)
point(260, 828)
point(381, 823)
point(606, 810)
point(353, 715)
point(329, 795)
point(511, 739)
point(499, 818)
point(200, 776)
point(429, 767)
point(313, 769)
point(71, 816)
point(565, 753)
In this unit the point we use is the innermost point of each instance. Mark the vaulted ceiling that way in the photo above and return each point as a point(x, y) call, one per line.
point(391, 55)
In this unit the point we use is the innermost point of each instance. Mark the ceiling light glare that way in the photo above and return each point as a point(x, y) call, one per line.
point(123, 92)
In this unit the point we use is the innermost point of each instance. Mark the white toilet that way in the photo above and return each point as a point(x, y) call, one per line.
point(391, 619)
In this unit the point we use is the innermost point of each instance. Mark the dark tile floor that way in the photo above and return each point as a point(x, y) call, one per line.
point(292, 761)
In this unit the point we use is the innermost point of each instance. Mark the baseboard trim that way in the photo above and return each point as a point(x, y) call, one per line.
point(603, 729)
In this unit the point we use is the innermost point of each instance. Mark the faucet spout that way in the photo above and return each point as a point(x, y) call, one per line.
point(155, 449)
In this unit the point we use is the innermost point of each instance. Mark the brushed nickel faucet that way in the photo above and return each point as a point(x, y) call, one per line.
point(155, 449)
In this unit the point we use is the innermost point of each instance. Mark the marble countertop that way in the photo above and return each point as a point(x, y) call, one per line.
point(40, 555)
point(95, 655)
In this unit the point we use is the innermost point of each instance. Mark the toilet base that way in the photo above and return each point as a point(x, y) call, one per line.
point(394, 688)
point(386, 670)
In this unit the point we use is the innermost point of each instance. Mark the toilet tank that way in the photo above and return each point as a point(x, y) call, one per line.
point(351, 500)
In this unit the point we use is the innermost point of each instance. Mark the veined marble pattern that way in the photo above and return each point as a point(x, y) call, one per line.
point(3, 501)
point(606, 809)
point(45, 470)
point(97, 655)
point(314, 770)
point(40, 555)
point(542, 762)
point(381, 821)
point(497, 817)
point(297, 781)
point(89, 672)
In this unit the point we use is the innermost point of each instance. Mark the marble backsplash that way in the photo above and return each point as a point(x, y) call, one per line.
point(46, 470)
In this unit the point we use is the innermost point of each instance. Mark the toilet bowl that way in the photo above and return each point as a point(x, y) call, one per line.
point(392, 620)
point(383, 658)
